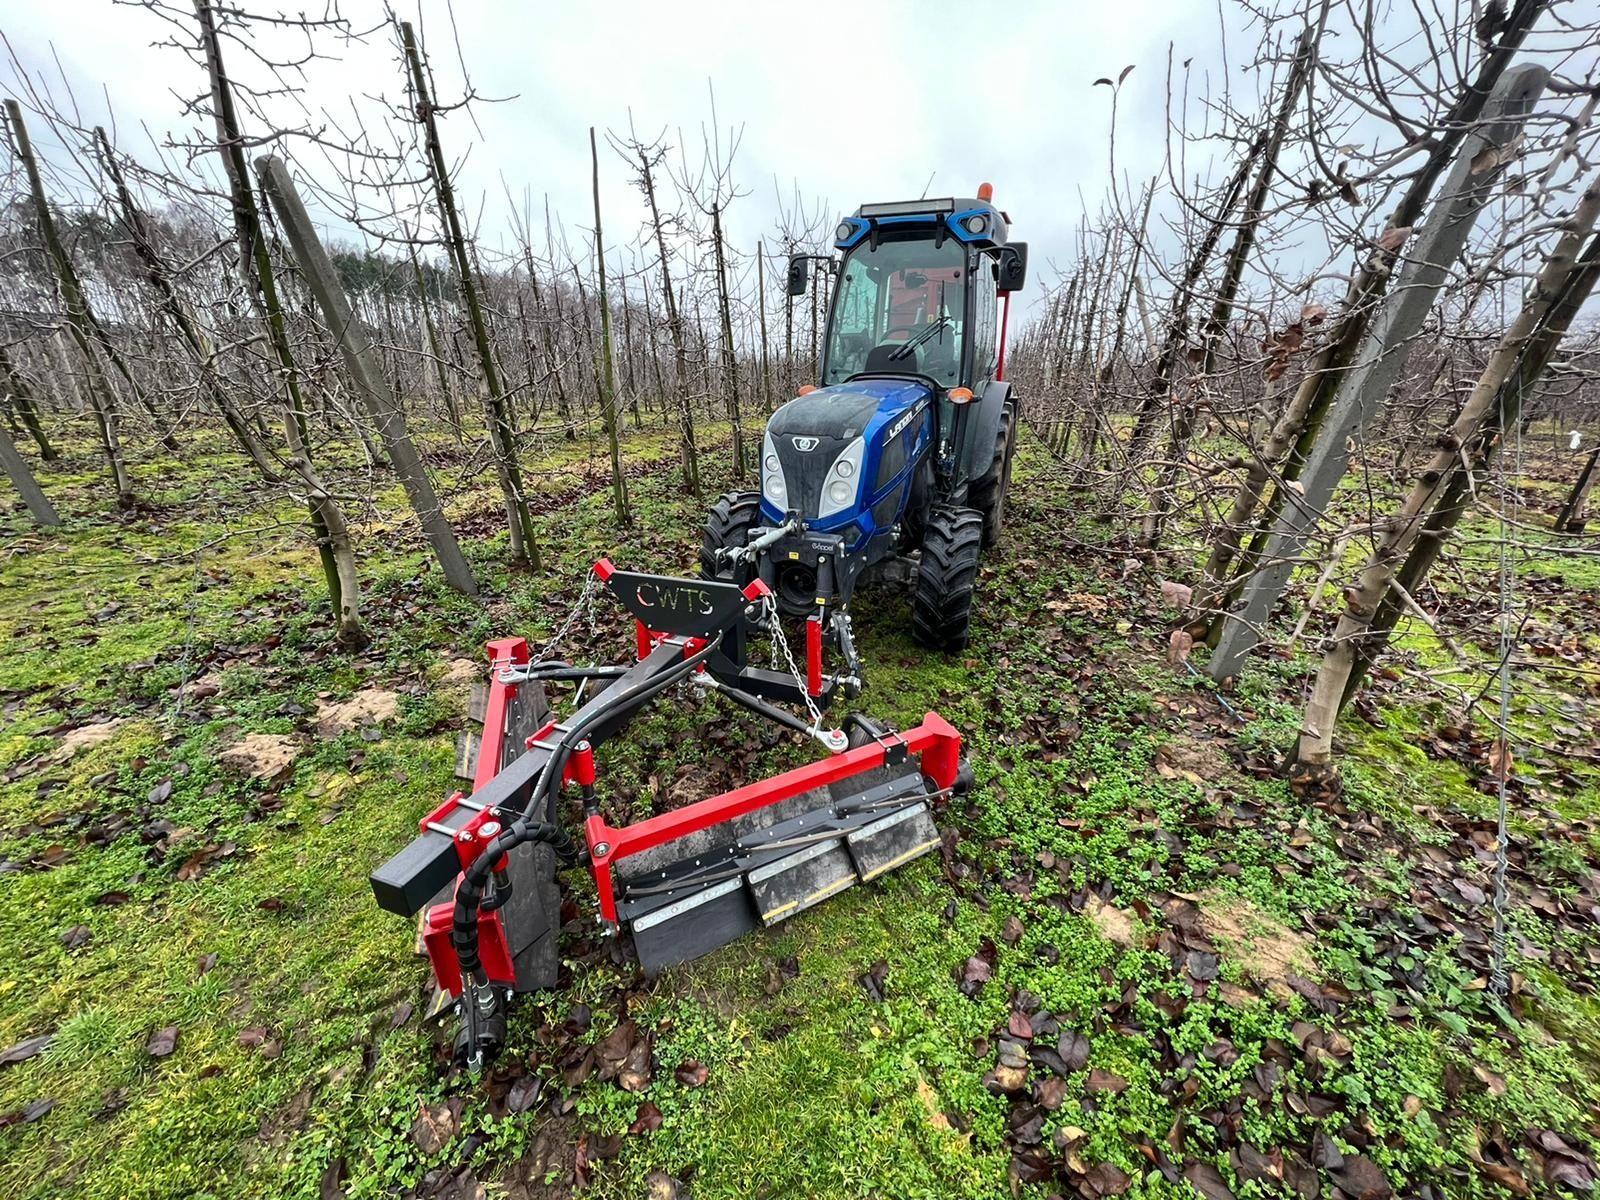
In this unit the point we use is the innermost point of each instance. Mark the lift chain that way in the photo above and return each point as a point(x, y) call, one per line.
point(781, 643)
point(584, 604)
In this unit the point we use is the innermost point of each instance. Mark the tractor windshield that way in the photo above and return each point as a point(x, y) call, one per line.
point(899, 309)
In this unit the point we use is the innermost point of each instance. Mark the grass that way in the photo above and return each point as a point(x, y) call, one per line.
point(1104, 778)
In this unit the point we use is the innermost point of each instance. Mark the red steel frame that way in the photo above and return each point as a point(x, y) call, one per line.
point(1005, 319)
point(493, 946)
point(935, 741)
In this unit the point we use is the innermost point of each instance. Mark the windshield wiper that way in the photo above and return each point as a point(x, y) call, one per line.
point(927, 333)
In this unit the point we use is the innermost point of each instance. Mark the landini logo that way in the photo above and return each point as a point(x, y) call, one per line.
point(804, 444)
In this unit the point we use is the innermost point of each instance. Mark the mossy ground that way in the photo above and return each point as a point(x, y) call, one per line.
point(1101, 769)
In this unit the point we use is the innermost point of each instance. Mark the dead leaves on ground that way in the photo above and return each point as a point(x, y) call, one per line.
point(25, 1049)
point(1039, 1060)
point(162, 1042)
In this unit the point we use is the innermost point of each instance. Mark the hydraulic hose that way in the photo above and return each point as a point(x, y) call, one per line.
point(464, 926)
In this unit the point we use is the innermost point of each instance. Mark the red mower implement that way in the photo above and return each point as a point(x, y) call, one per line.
point(683, 882)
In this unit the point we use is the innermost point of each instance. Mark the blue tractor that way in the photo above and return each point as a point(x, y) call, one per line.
point(898, 463)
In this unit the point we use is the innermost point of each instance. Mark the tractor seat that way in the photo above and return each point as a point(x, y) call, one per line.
point(882, 362)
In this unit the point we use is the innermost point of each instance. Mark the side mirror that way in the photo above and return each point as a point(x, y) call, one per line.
point(798, 270)
point(1013, 267)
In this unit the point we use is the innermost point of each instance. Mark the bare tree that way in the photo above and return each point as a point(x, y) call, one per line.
point(78, 314)
point(647, 158)
point(608, 391)
point(361, 361)
point(502, 433)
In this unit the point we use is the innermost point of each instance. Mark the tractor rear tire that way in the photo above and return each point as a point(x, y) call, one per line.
point(728, 524)
point(987, 493)
point(941, 606)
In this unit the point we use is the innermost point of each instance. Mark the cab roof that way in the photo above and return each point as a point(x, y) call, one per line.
point(968, 219)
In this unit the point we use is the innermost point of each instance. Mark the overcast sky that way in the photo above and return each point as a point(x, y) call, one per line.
point(855, 102)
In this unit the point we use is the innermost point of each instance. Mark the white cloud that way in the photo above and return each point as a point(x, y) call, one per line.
point(853, 102)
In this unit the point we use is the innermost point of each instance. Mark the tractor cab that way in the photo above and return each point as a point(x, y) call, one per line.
point(921, 293)
point(896, 462)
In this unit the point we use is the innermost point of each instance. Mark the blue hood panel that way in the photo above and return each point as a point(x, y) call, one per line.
point(811, 431)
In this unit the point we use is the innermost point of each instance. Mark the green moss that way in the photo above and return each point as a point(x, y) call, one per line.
point(813, 1088)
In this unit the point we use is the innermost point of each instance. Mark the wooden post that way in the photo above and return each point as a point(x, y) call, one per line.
point(1399, 533)
point(1383, 353)
point(1296, 430)
point(360, 360)
point(16, 468)
point(1571, 518)
point(1453, 501)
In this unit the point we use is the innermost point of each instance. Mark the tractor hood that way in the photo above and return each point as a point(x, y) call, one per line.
point(820, 439)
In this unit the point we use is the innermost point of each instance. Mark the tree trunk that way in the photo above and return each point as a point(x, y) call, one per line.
point(650, 334)
point(441, 366)
point(102, 398)
point(1127, 289)
point(629, 383)
point(181, 313)
point(691, 457)
point(1472, 427)
point(1222, 307)
point(730, 365)
point(21, 399)
point(1157, 398)
point(608, 395)
point(255, 265)
point(552, 350)
point(761, 302)
point(502, 435)
point(1452, 503)
point(788, 342)
point(1295, 431)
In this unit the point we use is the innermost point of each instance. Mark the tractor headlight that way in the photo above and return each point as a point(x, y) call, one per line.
point(839, 488)
point(772, 485)
point(976, 223)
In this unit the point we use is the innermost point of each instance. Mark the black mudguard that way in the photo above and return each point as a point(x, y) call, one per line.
point(983, 427)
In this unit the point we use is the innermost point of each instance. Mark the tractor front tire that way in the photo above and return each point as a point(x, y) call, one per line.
point(728, 524)
point(987, 493)
point(941, 606)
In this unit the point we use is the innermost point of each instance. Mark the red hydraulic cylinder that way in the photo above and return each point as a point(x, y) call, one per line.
point(814, 655)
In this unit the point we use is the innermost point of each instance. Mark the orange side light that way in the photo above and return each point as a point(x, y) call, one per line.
point(959, 395)
point(807, 389)
point(986, 192)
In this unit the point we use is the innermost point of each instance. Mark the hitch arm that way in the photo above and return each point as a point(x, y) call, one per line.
point(751, 549)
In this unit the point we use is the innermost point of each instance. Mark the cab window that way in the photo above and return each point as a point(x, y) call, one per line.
point(899, 309)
